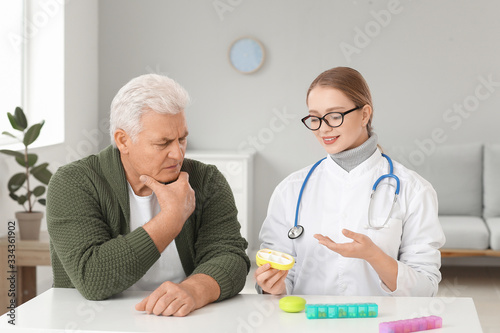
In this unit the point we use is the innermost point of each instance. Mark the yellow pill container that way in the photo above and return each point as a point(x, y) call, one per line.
point(276, 259)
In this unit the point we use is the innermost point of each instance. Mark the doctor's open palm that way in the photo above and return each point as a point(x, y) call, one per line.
point(362, 247)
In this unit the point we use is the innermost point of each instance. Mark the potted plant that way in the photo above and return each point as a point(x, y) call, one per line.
point(29, 220)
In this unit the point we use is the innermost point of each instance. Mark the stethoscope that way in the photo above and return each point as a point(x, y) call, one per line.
point(297, 230)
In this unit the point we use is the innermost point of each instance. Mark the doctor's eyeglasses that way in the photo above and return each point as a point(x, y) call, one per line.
point(332, 119)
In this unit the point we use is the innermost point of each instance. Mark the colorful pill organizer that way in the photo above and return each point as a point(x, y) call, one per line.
point(276, 259)
point(411, 325)
point(354, 310)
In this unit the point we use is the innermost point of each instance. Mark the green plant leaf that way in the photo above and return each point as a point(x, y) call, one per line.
point(43, 176)
point(21, 118)
point(21, 199)
point(38, 191)
point(12, 153)
point(14, 196)
point(32, 134)
point(42, 201)
point(41, 173)
point(13, 122)
point(39, 167)
point(32, 158)
point(16, 181)
point(9, 134)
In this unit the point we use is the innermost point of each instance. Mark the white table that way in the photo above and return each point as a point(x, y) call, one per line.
point(65, 310)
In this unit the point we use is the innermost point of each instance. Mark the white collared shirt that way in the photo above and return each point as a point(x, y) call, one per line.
point(334, 199)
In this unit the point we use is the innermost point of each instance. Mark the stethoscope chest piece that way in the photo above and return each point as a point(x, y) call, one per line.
point(295, 231)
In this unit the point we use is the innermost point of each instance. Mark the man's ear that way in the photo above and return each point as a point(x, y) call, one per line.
point(122, 140)
point(367, 114)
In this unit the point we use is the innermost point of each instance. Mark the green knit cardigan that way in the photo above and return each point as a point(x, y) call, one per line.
point(93, 250)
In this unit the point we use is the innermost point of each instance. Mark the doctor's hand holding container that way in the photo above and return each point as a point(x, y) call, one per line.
point(356, 222)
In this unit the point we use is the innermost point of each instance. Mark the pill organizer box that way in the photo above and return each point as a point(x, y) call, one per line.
point(350, 310)
point(411, 325)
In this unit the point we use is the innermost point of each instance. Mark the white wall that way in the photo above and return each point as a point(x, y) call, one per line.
point(423, 57)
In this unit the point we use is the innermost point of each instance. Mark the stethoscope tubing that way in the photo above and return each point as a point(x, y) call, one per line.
point(296, 227)
point(302, 189)
point(389, 175)
point(297, 230)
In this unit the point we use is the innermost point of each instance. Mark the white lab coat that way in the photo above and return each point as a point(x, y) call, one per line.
point(334, 199)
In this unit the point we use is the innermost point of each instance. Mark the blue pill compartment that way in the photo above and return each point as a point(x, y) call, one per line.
point(350, 310)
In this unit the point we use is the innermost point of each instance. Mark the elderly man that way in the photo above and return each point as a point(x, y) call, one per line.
point(138, 216)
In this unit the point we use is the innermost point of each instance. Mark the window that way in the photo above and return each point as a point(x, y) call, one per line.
point(11, 66)
point(32, 75)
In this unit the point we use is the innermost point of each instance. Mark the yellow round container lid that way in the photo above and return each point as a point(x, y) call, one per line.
point(292, 304)
point(276, 259)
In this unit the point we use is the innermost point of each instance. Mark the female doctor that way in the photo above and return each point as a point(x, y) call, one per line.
point(344, 241)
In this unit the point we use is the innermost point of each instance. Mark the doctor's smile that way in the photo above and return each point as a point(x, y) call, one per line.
point(328, 140)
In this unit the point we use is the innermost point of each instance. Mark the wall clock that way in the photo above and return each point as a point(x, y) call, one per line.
point(246, 55)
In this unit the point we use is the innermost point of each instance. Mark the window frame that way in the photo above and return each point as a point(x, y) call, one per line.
point(42, 52)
